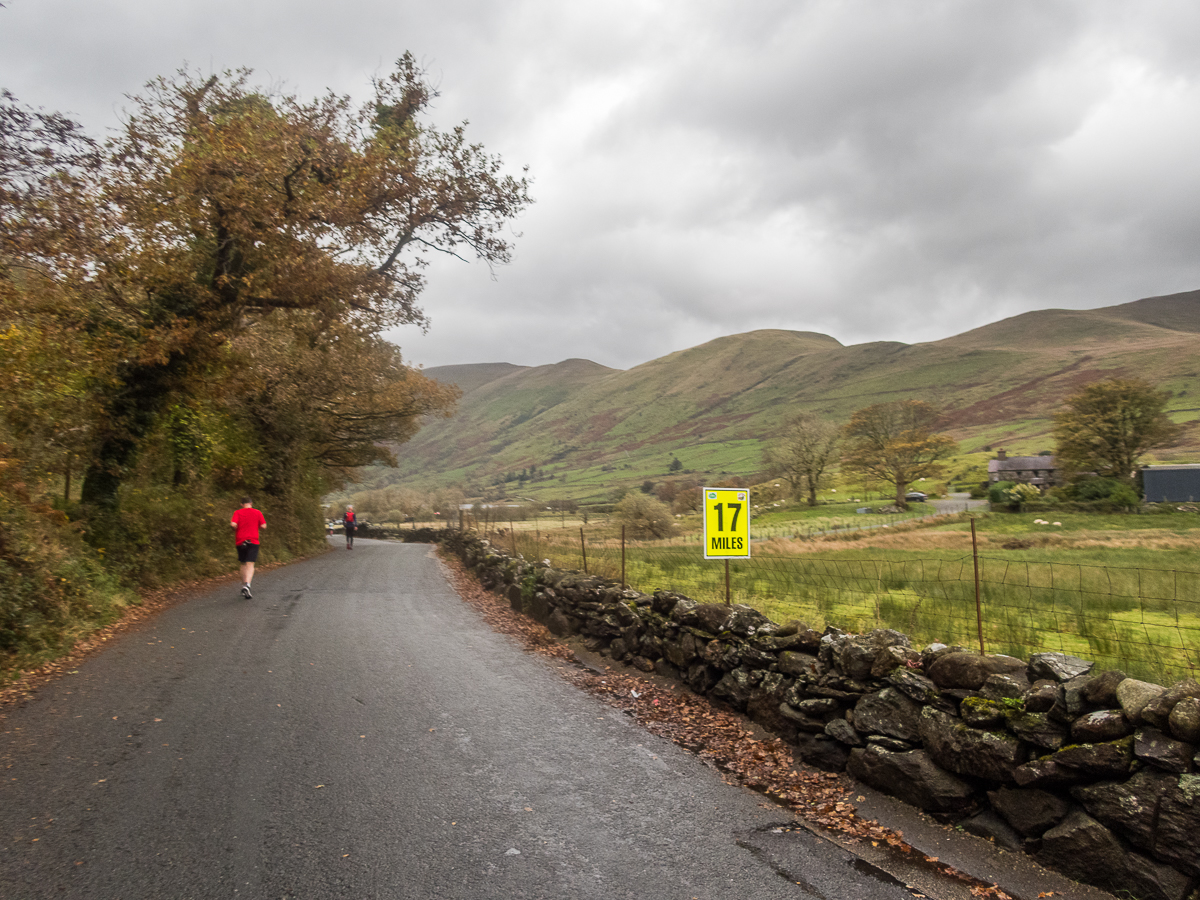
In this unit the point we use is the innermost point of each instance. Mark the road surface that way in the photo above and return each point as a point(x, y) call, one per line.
point(357, 731)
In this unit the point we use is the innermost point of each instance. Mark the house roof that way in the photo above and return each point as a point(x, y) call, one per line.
point(1018, 463)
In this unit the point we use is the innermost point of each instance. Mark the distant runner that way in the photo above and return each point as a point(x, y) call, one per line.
point(246, 523)
point(349, 525)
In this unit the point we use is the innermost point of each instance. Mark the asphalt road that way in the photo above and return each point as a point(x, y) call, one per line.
point(356, 731)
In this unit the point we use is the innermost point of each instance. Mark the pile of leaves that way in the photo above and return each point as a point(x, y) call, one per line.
point(821, 800)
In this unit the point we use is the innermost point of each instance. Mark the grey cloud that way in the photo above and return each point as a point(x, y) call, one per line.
point(902, 170)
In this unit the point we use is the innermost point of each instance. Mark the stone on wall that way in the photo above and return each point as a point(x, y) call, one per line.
point(736, 686)
point(1097, 762)
point(822, 751)
point(561, 625)
point(912, 777)
point(1029, 810)
point(916, 687)
point(1057, 666)
point(1087, 851)
point(1071, 702)
point(1134, 696)
point(1175, 838)
point(702, 677)
point(1184, 720)
point(710, 617)
point(1037, 729)
point(858, 655)
point(1046, 773)
point(1128, 807)
point(1042, 696)
point(889, 712)
point(1004, 687)
point(967, 670)
point(792, 662)
point(1166, 753)
point(958, 748)
point(1101, 690)
point(682, 649)
point(1104, 725)
point(843, 732)
point(764, 702)
point(1158, 711)
point(979, 712)
point(746, 621)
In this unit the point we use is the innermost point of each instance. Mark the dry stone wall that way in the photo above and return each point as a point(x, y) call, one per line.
point(1093, 773)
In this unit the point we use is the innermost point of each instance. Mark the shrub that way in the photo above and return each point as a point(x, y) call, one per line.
point(53, 587)
point(1124, 497)
point(1020, 494)
point(645, 517)
point(998, 492)
point(1094, 488)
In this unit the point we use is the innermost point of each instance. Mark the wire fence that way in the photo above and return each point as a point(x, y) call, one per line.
point(1142, 621)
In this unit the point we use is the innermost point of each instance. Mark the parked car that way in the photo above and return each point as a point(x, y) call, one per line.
point(916, 496)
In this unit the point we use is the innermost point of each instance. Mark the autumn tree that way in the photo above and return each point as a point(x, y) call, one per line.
point(1108, 426)
point(46, 358)
point(896, 443)
point(645, 517)
point(339, 405)
point(240, 211)
point(803, 453)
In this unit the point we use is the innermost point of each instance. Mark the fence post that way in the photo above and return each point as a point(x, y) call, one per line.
point(623, 584)
point(726, 582)
point(583, 549)
point(513, 534)
point(978, 602)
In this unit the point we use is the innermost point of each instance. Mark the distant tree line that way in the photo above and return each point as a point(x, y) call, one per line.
point(1103, 432)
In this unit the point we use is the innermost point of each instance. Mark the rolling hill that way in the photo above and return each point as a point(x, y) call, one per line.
point(715, 406)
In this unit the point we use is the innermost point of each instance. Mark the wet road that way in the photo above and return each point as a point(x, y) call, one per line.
point(356, 731)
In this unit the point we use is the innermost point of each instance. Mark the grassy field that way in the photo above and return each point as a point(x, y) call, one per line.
point(1121, 590)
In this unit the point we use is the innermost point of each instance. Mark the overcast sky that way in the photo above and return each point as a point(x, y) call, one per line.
point(869, 169)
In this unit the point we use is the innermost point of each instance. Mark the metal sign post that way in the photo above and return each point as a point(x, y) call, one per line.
point(726, 526)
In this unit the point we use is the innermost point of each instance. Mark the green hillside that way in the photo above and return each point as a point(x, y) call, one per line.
point(715, 406)
point(470, 376)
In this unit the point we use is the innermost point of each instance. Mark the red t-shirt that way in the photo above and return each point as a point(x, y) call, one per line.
point(248, 520)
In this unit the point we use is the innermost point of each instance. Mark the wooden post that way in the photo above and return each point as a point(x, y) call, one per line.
point(623, 584)
point(583, 549)
point(727, 603)
point(978, 601)
point(512, 532)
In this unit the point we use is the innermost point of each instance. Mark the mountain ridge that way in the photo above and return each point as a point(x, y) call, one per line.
point(716, 405)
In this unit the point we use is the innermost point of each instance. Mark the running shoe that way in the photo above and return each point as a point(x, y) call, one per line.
point(246, 592)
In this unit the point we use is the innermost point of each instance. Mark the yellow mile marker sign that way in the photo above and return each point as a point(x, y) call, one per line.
point(726, 523)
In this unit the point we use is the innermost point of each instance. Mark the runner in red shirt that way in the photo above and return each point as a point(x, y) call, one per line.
point(246, 523)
